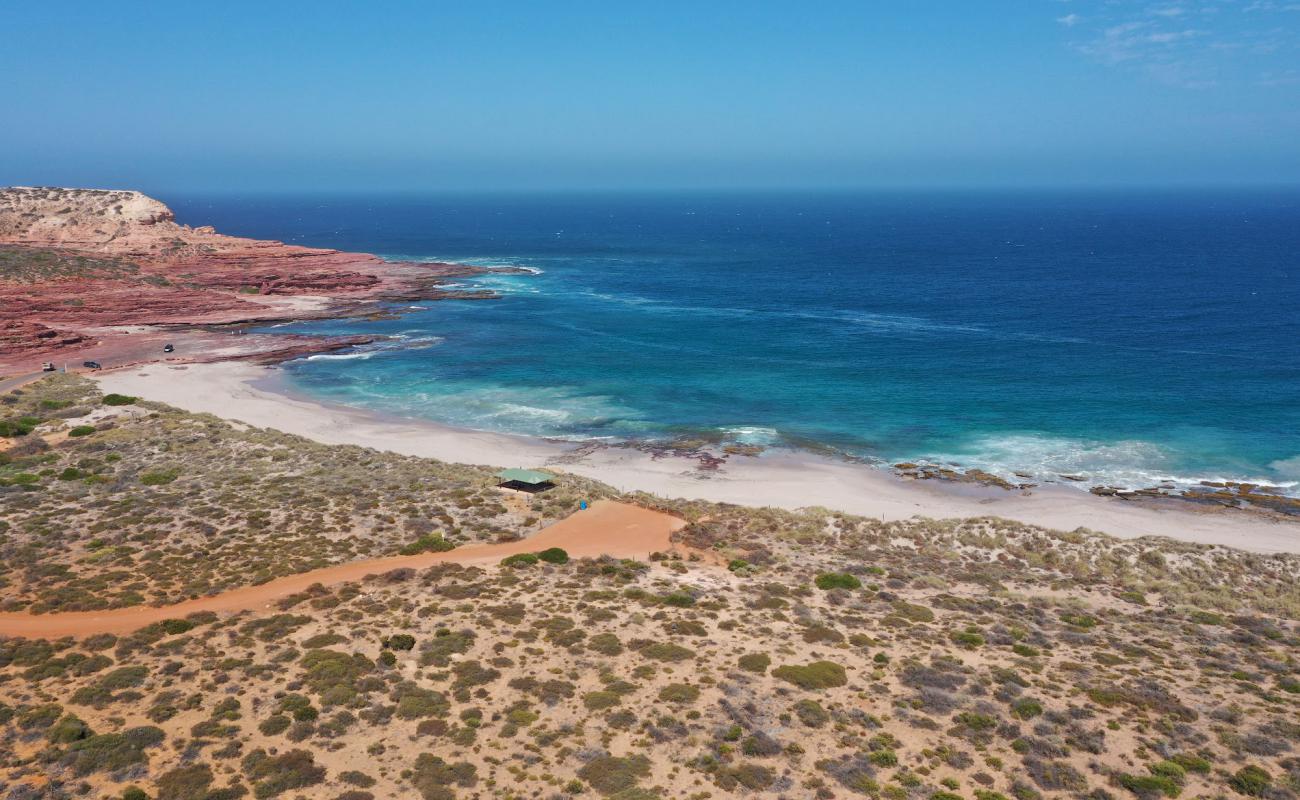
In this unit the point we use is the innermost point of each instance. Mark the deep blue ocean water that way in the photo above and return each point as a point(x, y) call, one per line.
point(1129, 337)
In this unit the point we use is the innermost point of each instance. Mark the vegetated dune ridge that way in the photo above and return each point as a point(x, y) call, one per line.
point(836, 655)
point(607, 528)
point(75, 262)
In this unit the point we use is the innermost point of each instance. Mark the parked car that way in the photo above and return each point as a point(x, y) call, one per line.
point(47, 367)
point(91, 365)
point(167, 348)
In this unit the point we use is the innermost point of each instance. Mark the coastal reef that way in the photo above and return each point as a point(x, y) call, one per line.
point(778, 655)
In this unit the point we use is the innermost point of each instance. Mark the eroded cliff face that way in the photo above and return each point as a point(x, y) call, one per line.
point(74, 263)
point(80, 218)
point(134, 226)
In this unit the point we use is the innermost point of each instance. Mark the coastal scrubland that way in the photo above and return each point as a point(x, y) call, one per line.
point(111, 501)
point(789, 654)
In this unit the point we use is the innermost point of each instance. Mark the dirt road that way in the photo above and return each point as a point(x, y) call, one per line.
point(607, 528)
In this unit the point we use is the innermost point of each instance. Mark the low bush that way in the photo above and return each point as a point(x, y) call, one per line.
point(399, 641)
point(817, 675)
point(158, 477)
point(681, 693)
point(274, 775)
point(837, 580)
point(611, 775)
point(667, 651)
point(1251, 781)
point(520, 560)
point(18, 427)
point(554, 555)
point(427, 544)
point(82, 430)
point(114, 399)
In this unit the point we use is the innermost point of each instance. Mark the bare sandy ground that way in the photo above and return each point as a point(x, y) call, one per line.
point(252, 394)
point(606, 528)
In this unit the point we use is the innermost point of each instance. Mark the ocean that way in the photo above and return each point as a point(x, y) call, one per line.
point(1129, 338)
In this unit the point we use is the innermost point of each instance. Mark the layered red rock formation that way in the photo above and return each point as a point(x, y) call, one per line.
point(76, 262)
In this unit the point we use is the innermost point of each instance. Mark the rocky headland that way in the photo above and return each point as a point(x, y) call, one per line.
point(82, 271)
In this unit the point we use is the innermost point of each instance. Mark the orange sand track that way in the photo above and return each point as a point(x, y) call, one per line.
point(606, 528)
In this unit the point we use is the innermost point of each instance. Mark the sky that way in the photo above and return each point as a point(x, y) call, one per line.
point(319, 95)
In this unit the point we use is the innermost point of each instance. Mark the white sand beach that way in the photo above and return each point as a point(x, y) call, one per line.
point(255, 396)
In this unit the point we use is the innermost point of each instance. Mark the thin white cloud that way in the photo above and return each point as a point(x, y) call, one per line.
point(1194, 44)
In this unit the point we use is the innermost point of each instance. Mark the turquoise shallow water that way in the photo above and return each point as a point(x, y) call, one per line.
point(1131, 338)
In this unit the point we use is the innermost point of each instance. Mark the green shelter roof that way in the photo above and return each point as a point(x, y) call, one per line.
point(533, 476)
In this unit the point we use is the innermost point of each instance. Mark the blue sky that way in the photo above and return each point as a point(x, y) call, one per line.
point(306, 96)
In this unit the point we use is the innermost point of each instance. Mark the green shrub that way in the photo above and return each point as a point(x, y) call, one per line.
point(274, 725)
point(40, 717)
point(1251, 781)
point(607, 644)
point(601, 700)
point(274, 775)
point(1147, 786)
point(884, 758)
point(158, 477)
point(171, 627)
point(611, 775)
point(114, 399)
point(679, 693)
point(811, 713)
point(82, 430)
point(427, 544)
point(976, 721)
point(755, 662)
point(70, 728)
point(913, 612)
point(817, 675)
point(520, 560)
point(432, 776)
point(679, 600)
point(399, 641)
point(1192, 763)
point(109, 752)
point(667, 651)
point(554, 555)
point(185, 783)
point(1026, 708)
point(18, 427)
point(356, 778)
point(837, 580)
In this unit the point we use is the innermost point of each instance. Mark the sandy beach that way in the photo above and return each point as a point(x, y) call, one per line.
point(256, 395)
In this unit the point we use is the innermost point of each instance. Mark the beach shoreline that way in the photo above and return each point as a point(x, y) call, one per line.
point(259, 396)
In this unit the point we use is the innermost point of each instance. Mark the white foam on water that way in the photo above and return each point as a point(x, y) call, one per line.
point(753, 434)
point(1288, 468)
point(1129, 463)
point(363, 355)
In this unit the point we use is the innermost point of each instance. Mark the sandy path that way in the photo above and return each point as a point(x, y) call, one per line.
point(606, 528)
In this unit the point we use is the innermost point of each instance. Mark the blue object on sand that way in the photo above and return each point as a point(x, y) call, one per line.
point(583, 505)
